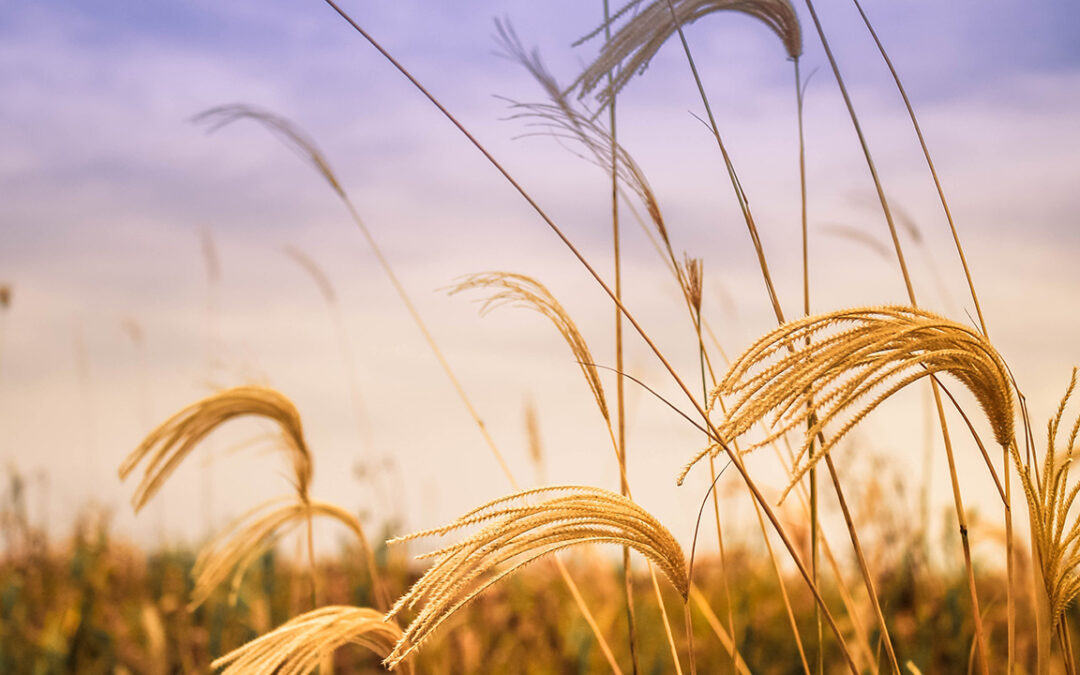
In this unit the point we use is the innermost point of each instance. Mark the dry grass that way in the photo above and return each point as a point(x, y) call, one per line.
point(857, 359)
point(165, 447)
point(1050, 497)
point(628, 52)
point(520, 533)
point(304, 642)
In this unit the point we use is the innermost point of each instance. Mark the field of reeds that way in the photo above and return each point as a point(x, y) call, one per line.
point(830, 572)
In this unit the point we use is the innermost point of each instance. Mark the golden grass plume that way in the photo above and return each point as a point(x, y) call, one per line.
point(290, 134)
point(520, 532)
point(298, 646)
point(165, 447)
point(1050, 496)
point(239, 544)
point(633, 46)
point(519, 290)
point(857, 358)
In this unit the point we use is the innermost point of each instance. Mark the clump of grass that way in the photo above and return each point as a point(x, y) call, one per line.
point(520, 533)
point(305, 641)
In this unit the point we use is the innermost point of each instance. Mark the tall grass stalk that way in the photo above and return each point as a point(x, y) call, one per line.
point(620, 401)
point(957, 498)
point(212, 269)
point(814, 521)
point(736, 460)
point(348, 362)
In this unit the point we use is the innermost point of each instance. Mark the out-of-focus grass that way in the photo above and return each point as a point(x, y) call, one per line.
point(95, 604)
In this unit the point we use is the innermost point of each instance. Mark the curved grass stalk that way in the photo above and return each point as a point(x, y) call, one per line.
point(298, 646)
point(518, 532)
point(879, 353)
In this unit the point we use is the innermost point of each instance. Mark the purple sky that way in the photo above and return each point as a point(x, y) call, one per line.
point(105, 189)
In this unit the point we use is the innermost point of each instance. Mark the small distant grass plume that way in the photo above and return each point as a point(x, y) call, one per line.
point(165, 447)
point(519, 532)
point(633, 46)
point(300, 645)
point(1050, 496)
point(519, 290)
point(855, 360)
point(232, 551)
point(290, 134)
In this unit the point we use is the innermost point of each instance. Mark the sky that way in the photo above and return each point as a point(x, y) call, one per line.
point(110, 197)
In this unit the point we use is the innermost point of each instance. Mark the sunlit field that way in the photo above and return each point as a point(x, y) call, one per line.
point(348, 339)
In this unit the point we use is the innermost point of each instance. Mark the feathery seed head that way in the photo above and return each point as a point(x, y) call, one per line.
point(298, 646)
point(1050, 498)
point(519, 532)
point(855, 360)
point(523, 291)
point(585, 136)
point(289, 133)
point(692, 274)
point(630, 49)
point(235, 548)
point(167, 445)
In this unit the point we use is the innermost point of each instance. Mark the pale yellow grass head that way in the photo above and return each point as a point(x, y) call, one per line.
point(519, 532)
point(633, 46)
point(165, 447)
point(518, 290)
point(300, 645)
point(692, 279)
point(290, 134)
point(575, 129)
point(1050, 497)
point(232, 551)
point(824, 374)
